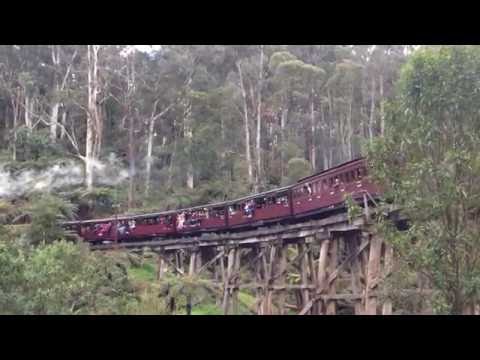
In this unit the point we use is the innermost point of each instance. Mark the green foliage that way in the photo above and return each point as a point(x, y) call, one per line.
point(186, 291)
point(45, 213)
point(297, 168)
point(100, 201)
point(11, 266)
point(35, 145)
point(428, 163)
point(144, 272)
point(61, 278)
point(353, 209)
point(207, 309)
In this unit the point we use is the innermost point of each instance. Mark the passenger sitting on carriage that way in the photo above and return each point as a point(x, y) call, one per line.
point(123, 228)
point(132, 224)
point(104, 229)
point(180, 221)
point(308, 189)
point(249, 208)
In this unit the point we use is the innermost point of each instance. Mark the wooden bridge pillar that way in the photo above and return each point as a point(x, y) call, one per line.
point(322, 273)
point(332, 266)
point(161, 266)
point(282, 269)
point(388, 265)
point(353, 244)
point(373, 274)
point(231, 272)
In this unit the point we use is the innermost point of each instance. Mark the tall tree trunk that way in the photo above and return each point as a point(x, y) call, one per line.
point(313, 150)
point(172, 158)
point(150, 137)
point(350, 127)
point(323, 136)
point(188, 135)
point(372, 110)
point(331, 142)
point(382, 113)
point(131, 127)
point(28, 113)
point(259, 121)
point(54, 121)
point(15, 101)
point(94, 122)
point(55, 105)
point(64, 124)
point(14, 129)
point(283, 122)
point(149, 160)
point(131, 162)
point(247, 127)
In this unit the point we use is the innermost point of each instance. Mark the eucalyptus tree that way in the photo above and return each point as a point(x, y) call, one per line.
point(429, 164)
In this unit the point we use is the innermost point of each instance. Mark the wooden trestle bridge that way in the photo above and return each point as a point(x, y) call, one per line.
point(338, 265)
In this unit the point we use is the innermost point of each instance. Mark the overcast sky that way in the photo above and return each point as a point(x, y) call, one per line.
point(147, 48)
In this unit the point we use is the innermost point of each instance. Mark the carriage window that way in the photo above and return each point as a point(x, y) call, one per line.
point(219, 212)
point(282, 199)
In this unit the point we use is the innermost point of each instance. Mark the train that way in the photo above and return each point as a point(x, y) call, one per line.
point(313, 196)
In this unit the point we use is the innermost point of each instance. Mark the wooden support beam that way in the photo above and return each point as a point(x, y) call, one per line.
point(388, 258)
point(355, 271)
point(282, 268)
point(322, 273)
point(332, 277)
point(160, 263)
point(259, 293)
point(173, 265)
point(268, 266)
point(198, 260)
point(332, 267)
point(212, 261)
point(373, 272)
point(304, 274)
point(236, 280)
point(311, 265)
point(191, 267)
point(226, 291)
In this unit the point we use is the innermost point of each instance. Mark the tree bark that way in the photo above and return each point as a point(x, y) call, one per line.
point(382, 113)
point(149, 160)
point(94, 121)
point(131, 162)
point(246, 124)
point(28, 113)
point(350, 127)
point(55, 105)
point(313, 149)
point(54, 121)
point(259, 120)
point(131, 126)
point(372, 110)
point(283, 121)
point(188, 135)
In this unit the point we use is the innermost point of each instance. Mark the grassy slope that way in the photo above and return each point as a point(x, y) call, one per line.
point(146, 274)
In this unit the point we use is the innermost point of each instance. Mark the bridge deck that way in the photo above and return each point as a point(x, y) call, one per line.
point(322, 229)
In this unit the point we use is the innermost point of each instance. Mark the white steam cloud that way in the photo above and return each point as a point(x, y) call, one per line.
point(67, 173)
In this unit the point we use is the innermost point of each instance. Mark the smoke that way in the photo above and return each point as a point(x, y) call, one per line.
point(65, 174)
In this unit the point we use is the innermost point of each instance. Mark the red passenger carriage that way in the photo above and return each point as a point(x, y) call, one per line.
point(310, 196)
